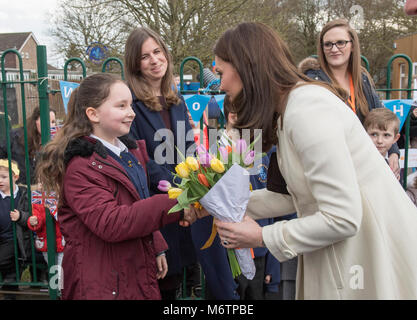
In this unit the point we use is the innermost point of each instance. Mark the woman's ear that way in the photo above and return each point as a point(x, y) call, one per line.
point(92, 114)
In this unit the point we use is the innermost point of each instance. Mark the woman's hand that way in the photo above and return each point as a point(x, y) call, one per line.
point(244, 234)
point(162, 266)
point(394, 164)
point(191, 215)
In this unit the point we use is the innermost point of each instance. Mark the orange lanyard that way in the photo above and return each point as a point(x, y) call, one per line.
point(351, 98)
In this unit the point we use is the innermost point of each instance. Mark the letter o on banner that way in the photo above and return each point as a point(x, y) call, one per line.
point(196, 106)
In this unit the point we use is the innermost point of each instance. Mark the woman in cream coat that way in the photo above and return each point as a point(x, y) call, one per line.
point(355, 234)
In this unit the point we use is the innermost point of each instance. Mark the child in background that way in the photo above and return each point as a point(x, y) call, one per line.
point(19, 215)
point(37, 223)
point(382, 125)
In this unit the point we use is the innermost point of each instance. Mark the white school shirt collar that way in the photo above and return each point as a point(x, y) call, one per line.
point(16, 190)
point(121, 147)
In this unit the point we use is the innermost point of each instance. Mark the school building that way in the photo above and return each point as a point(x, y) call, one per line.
point(399, 77)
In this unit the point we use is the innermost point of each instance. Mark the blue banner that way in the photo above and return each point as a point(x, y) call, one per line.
point(66, 89)
point(220, 101)
point(196, 105)
point(401, 108)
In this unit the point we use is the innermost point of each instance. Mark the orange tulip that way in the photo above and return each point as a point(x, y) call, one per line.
point(203, 180)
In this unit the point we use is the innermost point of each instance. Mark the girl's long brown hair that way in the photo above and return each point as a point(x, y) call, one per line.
point(134, 77)
point(355, 68)
point(92, 92)
point(268, 73)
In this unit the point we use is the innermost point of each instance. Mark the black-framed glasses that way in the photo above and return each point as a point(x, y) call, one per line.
point(340, 44)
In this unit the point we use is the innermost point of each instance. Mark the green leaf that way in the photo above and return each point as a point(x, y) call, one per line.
point(197, 189)
point(254, 141)
point(177, 207)
point(181, 155)
point(210, 178)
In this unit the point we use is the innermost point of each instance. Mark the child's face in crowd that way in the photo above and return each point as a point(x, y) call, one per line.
point(115, 115)
point(52, 121)
point(4, 180)
point(383, 139)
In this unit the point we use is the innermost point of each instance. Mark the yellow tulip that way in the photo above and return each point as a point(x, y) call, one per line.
point(192, 163)
point(217, 165)
point(182, 170)
point(174, 193)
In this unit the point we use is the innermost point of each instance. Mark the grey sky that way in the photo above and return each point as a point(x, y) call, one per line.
point(29, 16)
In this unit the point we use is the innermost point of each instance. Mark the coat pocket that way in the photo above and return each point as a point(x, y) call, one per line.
point(335, 267)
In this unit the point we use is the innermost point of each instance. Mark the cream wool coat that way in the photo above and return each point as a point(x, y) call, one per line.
point(356, 231)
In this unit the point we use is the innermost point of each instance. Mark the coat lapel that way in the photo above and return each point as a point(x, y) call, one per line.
point(153, 118)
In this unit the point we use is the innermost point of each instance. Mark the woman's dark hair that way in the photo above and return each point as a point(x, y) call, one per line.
point(268, 73)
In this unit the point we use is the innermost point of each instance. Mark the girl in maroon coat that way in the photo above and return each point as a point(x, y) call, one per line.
point(109, 222)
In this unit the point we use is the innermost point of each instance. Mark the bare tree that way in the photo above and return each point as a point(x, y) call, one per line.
point(191, 27)
point(78, 24)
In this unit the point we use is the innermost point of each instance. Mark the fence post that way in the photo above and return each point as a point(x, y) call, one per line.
point(108, 60)
point(407, 122)
point(45, 136)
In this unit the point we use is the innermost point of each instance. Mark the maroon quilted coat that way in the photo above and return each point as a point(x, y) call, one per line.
point(111, 235)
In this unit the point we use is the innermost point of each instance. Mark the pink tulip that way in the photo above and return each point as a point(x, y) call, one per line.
point(241, 146)
point(164, 185)
point(201, 149)
point(250, 157)
point(224, 155)
point(205, 159)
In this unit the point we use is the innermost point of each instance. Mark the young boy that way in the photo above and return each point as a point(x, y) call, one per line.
point(19, 215)
point(382, 126)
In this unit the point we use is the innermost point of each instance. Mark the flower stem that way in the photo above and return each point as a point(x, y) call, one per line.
point(234, 265)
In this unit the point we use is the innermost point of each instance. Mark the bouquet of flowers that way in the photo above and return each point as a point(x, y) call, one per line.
point(220, 184)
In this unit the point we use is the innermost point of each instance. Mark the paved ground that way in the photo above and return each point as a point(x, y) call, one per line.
point(25, 293)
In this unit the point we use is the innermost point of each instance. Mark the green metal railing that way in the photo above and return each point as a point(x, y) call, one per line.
point(4, 83)
point(409, 91)
point(113, 59)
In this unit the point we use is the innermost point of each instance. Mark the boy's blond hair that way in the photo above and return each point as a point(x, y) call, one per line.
point(4, 163)
point(381, 118)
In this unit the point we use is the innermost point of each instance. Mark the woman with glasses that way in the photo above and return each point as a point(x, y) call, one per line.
point(339, 63)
